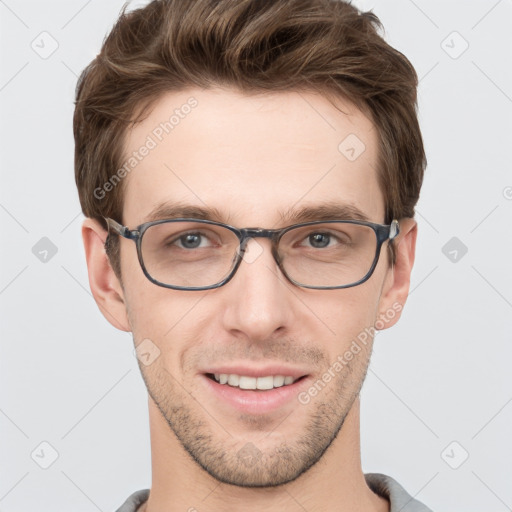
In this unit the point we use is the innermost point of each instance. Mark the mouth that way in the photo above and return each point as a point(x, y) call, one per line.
point(247, 382)
point(252, 394)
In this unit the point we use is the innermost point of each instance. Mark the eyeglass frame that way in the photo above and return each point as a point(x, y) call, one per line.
point(383, 233)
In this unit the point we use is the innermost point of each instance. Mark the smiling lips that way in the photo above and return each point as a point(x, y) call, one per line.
point(247, 377)
point(248, 382)
point(256, 391)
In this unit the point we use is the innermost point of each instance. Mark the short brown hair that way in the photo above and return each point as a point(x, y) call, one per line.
point(261, 46)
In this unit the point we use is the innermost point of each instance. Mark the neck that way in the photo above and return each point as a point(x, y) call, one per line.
point(335, 483)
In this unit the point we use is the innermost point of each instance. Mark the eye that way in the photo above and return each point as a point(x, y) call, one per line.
point(325, 239)
point(319, 240)
point(189, 240)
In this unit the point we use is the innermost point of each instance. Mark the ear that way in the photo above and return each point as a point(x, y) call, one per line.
point(398, 279)
point(105, 286)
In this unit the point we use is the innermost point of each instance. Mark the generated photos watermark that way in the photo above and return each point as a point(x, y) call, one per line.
point(342, 360)
point(156, 136)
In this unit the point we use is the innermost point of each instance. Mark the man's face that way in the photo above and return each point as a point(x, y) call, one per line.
point(250, 158)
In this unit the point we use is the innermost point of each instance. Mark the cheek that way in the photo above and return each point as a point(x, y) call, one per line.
point(174, 321)
point(155, 314)
point(340, 318)
point(145, 301)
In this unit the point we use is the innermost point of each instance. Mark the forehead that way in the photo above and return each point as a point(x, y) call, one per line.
point(253, 159)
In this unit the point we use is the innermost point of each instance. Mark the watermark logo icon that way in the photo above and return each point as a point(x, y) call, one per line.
point(454, 45)
point(44, 455)
point(45, 45)
point(249, 454)
point(44, 250)
point(454, 249)
point(455, 455)
point(352, 147)
point(146, 352)
point(250, 255)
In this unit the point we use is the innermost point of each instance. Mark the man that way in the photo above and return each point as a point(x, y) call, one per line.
point(249, 172)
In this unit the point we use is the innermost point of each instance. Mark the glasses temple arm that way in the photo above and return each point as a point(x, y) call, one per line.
point(394, 229)
point(119, 228)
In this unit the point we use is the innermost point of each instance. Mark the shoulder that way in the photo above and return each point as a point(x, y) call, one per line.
point(399, 498)
point(134, 501)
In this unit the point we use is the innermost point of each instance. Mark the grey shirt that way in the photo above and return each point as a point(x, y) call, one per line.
point(380, 484)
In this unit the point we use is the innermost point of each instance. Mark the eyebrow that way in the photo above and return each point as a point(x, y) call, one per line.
point(325, 211)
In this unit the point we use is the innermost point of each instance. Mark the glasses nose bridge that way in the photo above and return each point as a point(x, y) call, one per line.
point(248, 233)
point(271, 234)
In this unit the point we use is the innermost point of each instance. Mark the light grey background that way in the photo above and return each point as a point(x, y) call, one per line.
point(439, 385)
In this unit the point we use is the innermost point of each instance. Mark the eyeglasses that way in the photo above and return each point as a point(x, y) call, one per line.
point(194, 254)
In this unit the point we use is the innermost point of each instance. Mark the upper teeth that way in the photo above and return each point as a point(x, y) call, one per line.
point(245, 382)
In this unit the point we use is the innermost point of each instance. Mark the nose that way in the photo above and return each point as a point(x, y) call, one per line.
point(258, 299)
